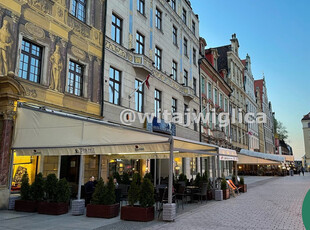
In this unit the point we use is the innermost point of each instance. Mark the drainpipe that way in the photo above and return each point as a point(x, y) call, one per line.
point(104, 28)
point(200, 109)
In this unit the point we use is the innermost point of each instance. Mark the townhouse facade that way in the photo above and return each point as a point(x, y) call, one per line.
point(306, 131)
point(251, 105)
point(51, 60)
point(159, 40)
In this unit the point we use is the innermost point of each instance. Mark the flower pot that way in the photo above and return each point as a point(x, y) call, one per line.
point(244, 188)
point(137, 213)
point(209, 195)
point(102, 211)
point(226, 194)
point(52, 208)
point(25, 205)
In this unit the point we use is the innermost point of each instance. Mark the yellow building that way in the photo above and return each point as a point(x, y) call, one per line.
point(50, 59)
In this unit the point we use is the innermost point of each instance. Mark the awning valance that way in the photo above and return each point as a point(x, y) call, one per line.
point(259, 158)
point(50, 133)
point(227, 154)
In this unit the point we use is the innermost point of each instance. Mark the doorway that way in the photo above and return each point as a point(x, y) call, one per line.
point(69, 169)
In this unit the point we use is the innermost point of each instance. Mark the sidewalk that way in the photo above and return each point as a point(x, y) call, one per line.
point(270, 201)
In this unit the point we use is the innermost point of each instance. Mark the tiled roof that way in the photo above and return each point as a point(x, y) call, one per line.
point(306, 117)
point(222, 60)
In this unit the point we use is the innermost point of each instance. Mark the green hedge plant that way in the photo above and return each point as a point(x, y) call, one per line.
point(146, 193)
point(125, 179)
point(109, 197)
point(63, 191)
point(134, 190)
point(37, 190)
point(223, 183)
point(99, 193)
point(50, 187)
point(25, 188)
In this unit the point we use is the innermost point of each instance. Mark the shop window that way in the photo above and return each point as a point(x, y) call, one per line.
point(21, 165)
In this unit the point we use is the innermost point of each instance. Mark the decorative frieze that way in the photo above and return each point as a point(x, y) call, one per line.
point(35, 30)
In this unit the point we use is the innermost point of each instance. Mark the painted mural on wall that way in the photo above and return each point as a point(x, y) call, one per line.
point(6, 42)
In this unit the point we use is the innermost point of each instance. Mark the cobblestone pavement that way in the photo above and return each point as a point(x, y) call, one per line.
point(270, 203)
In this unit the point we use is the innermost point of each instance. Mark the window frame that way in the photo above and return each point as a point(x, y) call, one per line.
point(175, 35)
point(114, 81)
point(140, 92)
point(81, 75)
point(174, 70)
point(30, 56)
point(194, 27)
point(117, 28)
point(158, 19)
point(139, 4)
point(74, 11)
point(195, 56)
point(158, 58)
point(139, 44)
point(185, 78)
point(157, 101)
point(185, 47)
point(174, 105)
point(173, 5)
point(195, 85)
point(184, 16)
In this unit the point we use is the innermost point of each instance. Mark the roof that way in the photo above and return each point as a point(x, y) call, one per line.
point(222, 60)
point(244, 62)
point(306, 117)
point(259, 84)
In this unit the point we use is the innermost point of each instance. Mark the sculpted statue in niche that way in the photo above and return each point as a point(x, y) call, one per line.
point(6, 42)
point(57, 67)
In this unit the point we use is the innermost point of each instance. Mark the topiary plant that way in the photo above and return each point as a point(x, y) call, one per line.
point(63, 191)
point(134, 190)
point(50, 186)
point(109, 197)
point(99, 193)
point(37, 190)
point(125, 179)
point(242, 180)
point(25, 188)
point(223, 183)
point(146, 198)
point(182, 177)
point(197, 180)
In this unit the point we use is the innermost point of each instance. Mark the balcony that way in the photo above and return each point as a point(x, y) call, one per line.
point(189, 93)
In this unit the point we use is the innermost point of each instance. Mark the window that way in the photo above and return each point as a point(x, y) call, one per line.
point(225, 105)
point(185, 47)
point(203, 85)
point(194, 27)
point(174, 70)
point(140, 6)
point(215, 97)
point(173, 5)
point(194, 56)
point(157, 102)
point(139, 95)
point(186, 110)
point(185, 81)
point(209, 91)
point(30, 61)
point(175, 35)
point(79, 9)
point(221, 100)
point(75, 79)
point(114, 86)
point(157, 58)
point(116, 31)
point(174, 105)
point(158, 19)
point(139, 43)
point(195, 123)
point(195, 85)
point(184, 16)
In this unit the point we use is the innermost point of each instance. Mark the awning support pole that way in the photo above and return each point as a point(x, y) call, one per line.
point(236, 171)
point(218, 167)
point(170, 185)
point(80, 176)
point(159, 170)
point(100, 167)
point(213, 171)
point(155, 171)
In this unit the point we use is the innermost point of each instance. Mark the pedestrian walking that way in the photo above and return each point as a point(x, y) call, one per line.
point(299, 171)
point(89, 189)
point(303, 171)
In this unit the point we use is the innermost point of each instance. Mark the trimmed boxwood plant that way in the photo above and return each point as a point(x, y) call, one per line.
point(25, 188)
point(50, 187)
point(134, 190)
point(62, 191)
point(146, 194)
point(99, 193)
point(37, 190)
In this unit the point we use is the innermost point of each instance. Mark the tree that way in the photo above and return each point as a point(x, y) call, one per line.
point(63, 191)
point(280, 130)
point(110, 197)
point(25, 187)
point(134, 190)
point(147, 194)
point(50, 187)
point(99, 193)
point(37, 191)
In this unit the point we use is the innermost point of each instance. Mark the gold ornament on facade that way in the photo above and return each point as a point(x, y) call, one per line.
point(78, 53)
point(35, 30)
point(57, 67)
point(6, 42)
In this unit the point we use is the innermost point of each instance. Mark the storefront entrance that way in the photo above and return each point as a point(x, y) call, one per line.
point(69, 169)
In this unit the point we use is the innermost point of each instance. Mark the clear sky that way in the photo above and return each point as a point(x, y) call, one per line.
point(276, 34)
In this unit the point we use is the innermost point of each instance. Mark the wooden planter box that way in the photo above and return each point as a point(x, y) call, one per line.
point(209, 195)
point(226, 194)
point(52, 208)
point(26, 205)
point(102, 211)
point(137, 213)
point(244, 188)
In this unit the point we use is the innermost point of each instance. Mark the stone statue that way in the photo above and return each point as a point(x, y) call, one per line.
point(57, 67)
point(6, 42)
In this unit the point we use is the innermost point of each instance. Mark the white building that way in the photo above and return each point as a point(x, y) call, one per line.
point(157, 38)
point(251, 104)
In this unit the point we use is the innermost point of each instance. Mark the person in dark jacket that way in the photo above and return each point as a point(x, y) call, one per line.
point(89, 189)
point(303, 171)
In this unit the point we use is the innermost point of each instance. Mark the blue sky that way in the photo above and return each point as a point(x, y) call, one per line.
point(275, 33)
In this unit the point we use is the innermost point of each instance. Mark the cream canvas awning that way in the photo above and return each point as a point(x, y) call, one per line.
point(249, 157)
point(50, 133)
point(227, 154)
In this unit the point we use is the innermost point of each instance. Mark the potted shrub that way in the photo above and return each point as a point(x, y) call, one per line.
point(57, 196)
point(243, 187)
point(125, 179)
point(103, 203)
point(145, 195)
point(26, 203)
point(225, 189)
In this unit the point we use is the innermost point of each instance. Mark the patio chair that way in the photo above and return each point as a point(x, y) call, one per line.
point(203, 192)
point(181, 194)
point(233, 187)
point(124, 192)
point(163, 195)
